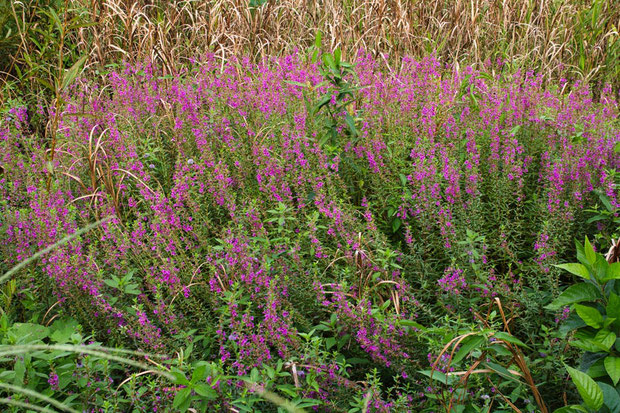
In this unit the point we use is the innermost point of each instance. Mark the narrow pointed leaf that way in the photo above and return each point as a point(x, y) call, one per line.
point(72, 73)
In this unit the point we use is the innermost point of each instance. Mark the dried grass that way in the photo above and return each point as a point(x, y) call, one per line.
point(550, 36)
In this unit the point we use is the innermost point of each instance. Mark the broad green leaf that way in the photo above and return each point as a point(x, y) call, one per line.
point(586, 345)
point(590, 315)
point(597, 369)
point(63, 329)
point(467, 346)
point(581, 254)
point(613, 272)
point(111, 283)
point(610, 397)
point(330, 342)
point(396, 223)
point(328, 60)
point(179, 377)
point(199, 373)
point(599, 269)
point(605, 339)
point(589, 251)
point(575, 294)
point(182, 399)
point(27, 333)
point(575, 268)
point(612, 365)
point(205, 391)
point(590, 392)
point(613, 306)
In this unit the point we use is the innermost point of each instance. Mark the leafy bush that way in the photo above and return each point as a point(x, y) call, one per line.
point(320, 230)
point(595, 309)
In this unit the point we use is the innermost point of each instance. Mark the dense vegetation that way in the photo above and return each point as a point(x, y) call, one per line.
point(266, 222)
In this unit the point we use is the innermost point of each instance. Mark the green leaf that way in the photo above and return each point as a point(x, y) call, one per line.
point(613, 306)
point(590, 315)
point(317, 39)
point(330, 342)
point(605, 200)
point(396, 223)
point(182, 399)
point(586, 345)
point(205, 391)
point(502, 371)
point(589, 251)
point(132, 289)
point(179, 377)
point(575, 294)
point(467, 346)
point(63, 329)
point(610, 396)
point(337, 56)
point(439, 376)
point(351, 124)
point(199, 373)
point(599, 269)
point(27, 333)
point(500, 350)
point(612, 365)
point(613, 272)
point(72, 73)
point(579, 270)
point(581, 254)
point(509, 338)
point(328, 60)
point(590, 392)
point(411, 323)
point(605, 339)
point(597, 369)
point(111, 283)
point(54, 17)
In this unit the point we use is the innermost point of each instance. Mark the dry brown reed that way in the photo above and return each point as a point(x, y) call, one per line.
point(551, 36)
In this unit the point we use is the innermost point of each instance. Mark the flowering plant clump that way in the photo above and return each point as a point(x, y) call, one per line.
point(302, 233)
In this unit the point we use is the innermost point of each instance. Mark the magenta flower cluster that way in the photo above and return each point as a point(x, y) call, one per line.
point(236, 217)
